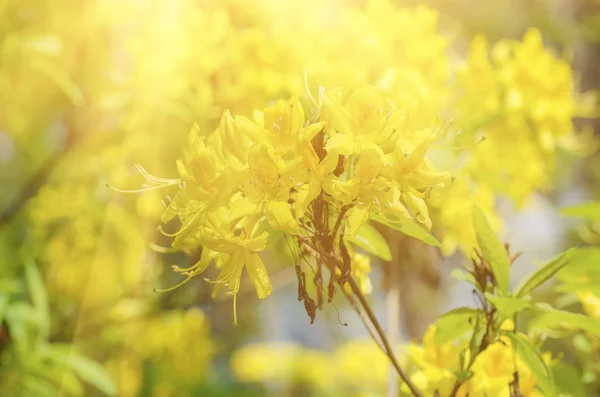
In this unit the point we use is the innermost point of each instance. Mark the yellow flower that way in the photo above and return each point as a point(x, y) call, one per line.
point(356, 152)
point(436, 363)
point(521, 97)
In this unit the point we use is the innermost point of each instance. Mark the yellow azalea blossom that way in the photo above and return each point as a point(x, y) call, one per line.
point(352, 368)
point(291, 171)
point(436, 363)
point(493, 372)
point(522, 97)
point(177, 342)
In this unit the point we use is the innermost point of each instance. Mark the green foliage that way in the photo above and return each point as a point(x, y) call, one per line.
point(589, 210)
point(546, 271)
point(369, 239)
point(568, 380)
point(531, 355)
point(492, 249)
point(409, 228)
point(552, 319)
point(88, 370)
point(31, 363)
point(486, 325)
point(463, 275)
point(455, 324)
point(507, 306)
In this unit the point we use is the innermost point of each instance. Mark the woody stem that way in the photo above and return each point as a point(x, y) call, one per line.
point(386, 343)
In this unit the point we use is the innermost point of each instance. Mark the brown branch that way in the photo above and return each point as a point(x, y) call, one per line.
point(364, 319)
point(388, 348)
point(38, 179)
point(31, 188)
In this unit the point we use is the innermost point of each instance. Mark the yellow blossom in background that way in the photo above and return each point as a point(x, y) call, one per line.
point(436, 363)
point(353, 368)
point(179, 344)
point(86, 246)
point(284, 363)
point(522, 98)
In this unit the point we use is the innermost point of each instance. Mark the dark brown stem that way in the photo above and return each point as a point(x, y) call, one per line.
point(30, 189)
point(364, 319)
point(338, 221)
point(388, 349)
point(39, 179)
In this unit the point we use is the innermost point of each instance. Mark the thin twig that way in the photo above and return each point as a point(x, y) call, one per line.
point(364, 319)
point(388, 349)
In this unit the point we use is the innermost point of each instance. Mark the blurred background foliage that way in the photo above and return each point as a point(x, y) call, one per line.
point(88, 89)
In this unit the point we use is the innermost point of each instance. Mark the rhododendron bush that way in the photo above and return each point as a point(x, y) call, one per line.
point(338, 158)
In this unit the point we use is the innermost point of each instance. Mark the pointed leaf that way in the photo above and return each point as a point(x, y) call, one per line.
point(39, 297)
point(507, 306)
point(589, 210)
point(455, 324)
point(476, 340)
point(88, 370)
point(545, 272)
point(568, 380)
point(463, 275)
point(408, 227)
point(492, 249)
point(531, 356)
point(369, 239)
point(555, 319)
point(92, 373)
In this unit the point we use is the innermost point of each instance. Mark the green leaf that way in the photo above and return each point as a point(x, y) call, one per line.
point(39, 387)
point(532, 357)
point(20, 318)
point(555, 319)
point(492, 249)
point(476, 340)
point(369, 239)
point(11, 286)
point(87, 369)
point(545, 272)
point(507, 306)
point(39, 297)
point(93, 373)
point(583, 268)
point(408, 227)
point(568, 380)
point(463, 275)
point(589, 210)
point(455, 324)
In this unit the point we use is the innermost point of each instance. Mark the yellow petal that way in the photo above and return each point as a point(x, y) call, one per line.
point(258, 274)
point(279, 216)
point(355, 219)
point(342, 144)
point(369, 164)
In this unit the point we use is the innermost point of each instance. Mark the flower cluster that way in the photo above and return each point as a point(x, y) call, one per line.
point(515, 105)
point(432, 367)
point(177, 341)
point(493, 369)
point(354, 368)
point(317, 175)
point(86, 245)
point(521, 96)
